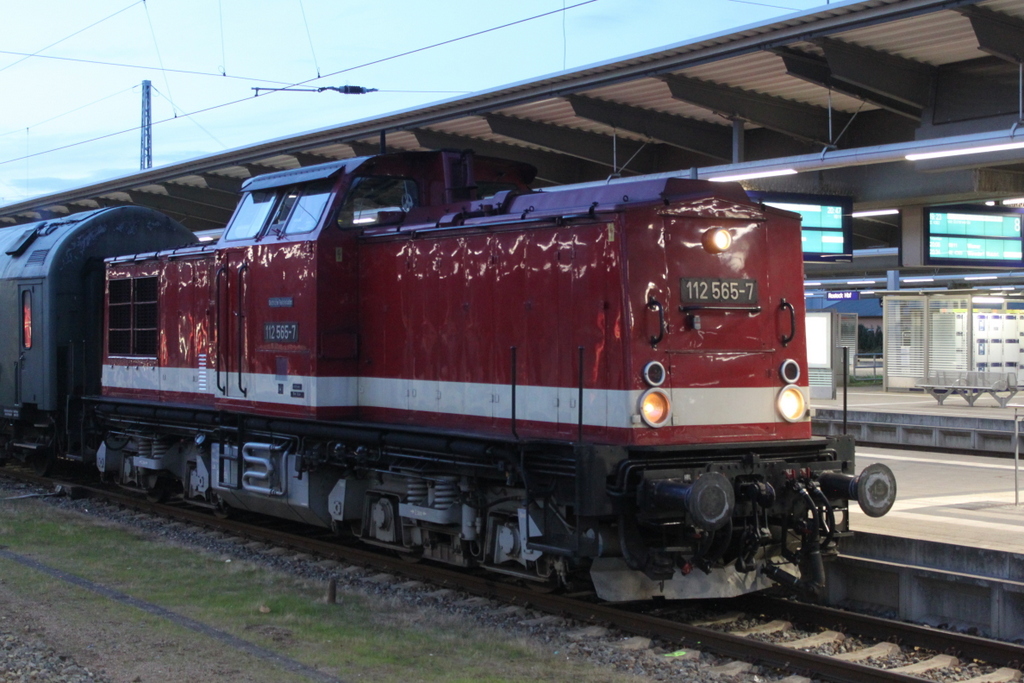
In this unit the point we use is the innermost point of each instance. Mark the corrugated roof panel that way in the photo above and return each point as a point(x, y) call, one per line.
point(473, 126)
point(938, 38)
point(1012, 7)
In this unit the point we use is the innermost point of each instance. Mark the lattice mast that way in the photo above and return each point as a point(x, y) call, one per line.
point(146, 156)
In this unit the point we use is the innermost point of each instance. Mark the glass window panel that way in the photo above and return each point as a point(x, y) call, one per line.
point(306, 214)
point(250, 215)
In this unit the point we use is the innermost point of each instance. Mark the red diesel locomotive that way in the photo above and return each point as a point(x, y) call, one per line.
point(416, 348)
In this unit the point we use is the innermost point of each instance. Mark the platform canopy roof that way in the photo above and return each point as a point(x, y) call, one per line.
point(841, 94)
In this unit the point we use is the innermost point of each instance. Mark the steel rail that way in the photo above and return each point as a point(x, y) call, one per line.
point(878, 628)
point(724, 644)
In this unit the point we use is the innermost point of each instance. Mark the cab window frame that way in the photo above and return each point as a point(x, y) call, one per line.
point(274, 197)
point(346, 217)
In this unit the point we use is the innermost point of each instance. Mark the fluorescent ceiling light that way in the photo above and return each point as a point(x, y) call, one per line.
point(868, 291)
point(1000, 288)
point(750, 175)
point(990, 203)
point(1016, 201)
point(876, 212)
point(812, 284)
point(206, 238)
point(861, 282)
point(966, 150)
point(988, 299)
point(981, 277)
point(919, 279)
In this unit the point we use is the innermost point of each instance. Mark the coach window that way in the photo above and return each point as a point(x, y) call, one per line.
point(26, 319)
point(309, 207)
point(250, 215)
point(371, 195)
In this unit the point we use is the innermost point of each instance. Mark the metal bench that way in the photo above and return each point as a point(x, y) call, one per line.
point(1002, 386)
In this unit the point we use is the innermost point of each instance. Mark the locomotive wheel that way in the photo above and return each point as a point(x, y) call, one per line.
point(158, 493)
point(220, 510)
point(42, 462)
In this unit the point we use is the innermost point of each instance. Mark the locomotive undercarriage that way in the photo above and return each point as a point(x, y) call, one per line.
point(676, 523)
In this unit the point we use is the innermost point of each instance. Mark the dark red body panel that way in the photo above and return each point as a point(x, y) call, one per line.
point(433, 324)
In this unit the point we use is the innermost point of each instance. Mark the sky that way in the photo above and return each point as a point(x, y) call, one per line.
point(71, 71)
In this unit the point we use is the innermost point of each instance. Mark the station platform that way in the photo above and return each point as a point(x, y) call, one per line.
point(963, 497)
point(916, 419)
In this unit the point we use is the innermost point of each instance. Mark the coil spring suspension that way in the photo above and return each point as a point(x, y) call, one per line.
point(416, 491)
point(446, 491)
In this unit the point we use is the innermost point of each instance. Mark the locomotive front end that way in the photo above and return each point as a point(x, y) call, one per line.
point(723, 489)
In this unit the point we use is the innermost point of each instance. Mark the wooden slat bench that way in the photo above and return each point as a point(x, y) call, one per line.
point(1002, 386)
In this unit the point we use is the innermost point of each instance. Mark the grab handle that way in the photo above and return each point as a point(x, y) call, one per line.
point(241, 326)
point(655, 305)
point(786, 306)
point(218, 351)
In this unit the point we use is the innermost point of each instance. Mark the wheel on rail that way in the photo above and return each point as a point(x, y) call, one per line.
point(411, 558)
point(159, 492)
point(221, 510)
point(42, 462)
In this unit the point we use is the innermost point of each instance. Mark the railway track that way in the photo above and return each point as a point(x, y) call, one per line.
point(755, 631)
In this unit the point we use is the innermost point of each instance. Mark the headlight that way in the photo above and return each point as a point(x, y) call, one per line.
point(654, 374)
point(655, 408)
point(789, 371)
point(791, 404)
point(716, 240)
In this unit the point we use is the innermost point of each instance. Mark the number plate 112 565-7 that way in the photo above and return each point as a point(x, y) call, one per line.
point(707, 290)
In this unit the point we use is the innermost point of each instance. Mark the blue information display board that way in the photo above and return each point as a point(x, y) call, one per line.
point(971, 236)
point(827, 224)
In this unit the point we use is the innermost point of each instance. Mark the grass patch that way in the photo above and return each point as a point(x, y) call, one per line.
point(379, 639)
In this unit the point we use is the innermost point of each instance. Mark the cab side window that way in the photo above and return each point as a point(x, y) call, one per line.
point(370, 195)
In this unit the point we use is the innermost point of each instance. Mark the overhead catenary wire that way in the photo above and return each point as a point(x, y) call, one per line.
point(191, 118)
point(72, 35)
point(223, 52)
point(21, 129)
point(188, 72)
point(765, 4)
point(159, 57)
point(300, 83)
point(316, 64)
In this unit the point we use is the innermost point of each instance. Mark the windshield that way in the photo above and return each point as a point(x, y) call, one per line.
point(250, 215)
point(310, 206)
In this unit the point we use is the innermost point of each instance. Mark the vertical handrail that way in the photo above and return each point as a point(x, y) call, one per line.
point(580, 399)
point(786, 306)
point(515, 434)
point(655, 305)
point(17, 380)
point(241, 325)
point(219, 315)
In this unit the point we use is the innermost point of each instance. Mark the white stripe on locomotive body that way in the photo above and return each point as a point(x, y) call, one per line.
point(691, 407)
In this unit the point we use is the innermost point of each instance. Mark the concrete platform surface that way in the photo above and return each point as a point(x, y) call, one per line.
point(966, 500)
point(871, 398)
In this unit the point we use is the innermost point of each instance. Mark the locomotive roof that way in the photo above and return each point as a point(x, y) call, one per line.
point(301, 175)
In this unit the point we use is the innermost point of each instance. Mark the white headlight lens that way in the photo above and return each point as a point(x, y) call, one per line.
point(791, 404)
point(716, 240)
point(655, 408)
